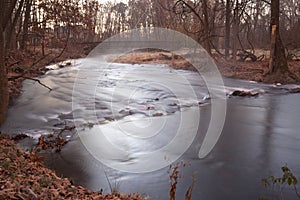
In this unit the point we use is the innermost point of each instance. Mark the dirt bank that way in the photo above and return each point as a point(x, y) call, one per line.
point(23, 176)
point(31, 63)
point(247, 70)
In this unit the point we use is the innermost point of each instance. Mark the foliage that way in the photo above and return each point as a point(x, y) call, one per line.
point(278, 184)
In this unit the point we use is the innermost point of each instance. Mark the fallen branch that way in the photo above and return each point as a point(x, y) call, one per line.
point(14, 63)
point(241, 93)
point(33, 79)
point(66, 128)
point(39, 60)
point(37, 80)
point(261, 57)
point(52, 142)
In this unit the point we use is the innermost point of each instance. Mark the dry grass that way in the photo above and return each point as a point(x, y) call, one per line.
point(174, 175)
point(247, 70)
point(156, 57)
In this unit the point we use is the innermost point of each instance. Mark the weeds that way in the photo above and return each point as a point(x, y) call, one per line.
point(115, 188)
point(188, 194)
point(53, 142)
point(278, 184)
point(173, 178)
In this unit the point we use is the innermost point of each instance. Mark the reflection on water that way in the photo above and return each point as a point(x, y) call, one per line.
point(260, 135)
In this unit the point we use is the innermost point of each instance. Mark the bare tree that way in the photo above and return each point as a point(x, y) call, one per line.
point(278, 66)
point(278, 61)
point(6, 14)
point(227, 27)
point(25, 23)
point(199, 24)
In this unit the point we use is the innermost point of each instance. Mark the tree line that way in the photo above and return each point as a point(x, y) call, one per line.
point(220, 25)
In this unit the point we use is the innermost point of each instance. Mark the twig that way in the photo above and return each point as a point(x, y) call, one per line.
point(14, 63)
point(188, 194)
point(20, 196)
point(40, 59)
point(109, 184)
point(15, 77)
point(66, 128)
point(297, 193)
point(37, 80)
point(31, 193)
point(33, 79)
point(63, 50)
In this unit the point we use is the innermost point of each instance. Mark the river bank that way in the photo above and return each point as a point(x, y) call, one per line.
point(246, 70)
point(23, 176)
point(121, 68)
point(22, 173)
point(30, 64)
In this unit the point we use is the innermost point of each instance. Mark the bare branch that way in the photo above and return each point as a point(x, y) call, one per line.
point(33, 79)
point(37, 80)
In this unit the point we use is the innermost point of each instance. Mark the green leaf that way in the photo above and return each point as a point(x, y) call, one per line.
point(289, 181)
point(277, 180)
point(263, 198)
point(295, 181)
point(285, 169)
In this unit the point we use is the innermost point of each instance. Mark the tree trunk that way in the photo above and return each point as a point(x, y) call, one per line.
point(273, 45)
point(278, 61)
point(235, 33)
point(227, 29)
point(6, 12)
point(206, 43)
point(11, 35)
point(3, 77)
point(25, 24)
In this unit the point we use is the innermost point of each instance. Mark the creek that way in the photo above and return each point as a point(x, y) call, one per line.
point(139, 109)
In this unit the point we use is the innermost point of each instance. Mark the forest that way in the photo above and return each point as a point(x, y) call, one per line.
point(217, 25)
point(253, 40)
point(235, 30)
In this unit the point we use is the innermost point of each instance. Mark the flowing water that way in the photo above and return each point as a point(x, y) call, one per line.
point(260, 134)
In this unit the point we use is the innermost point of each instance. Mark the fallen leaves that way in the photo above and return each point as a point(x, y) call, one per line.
point(51, 142)
point(23, 176)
